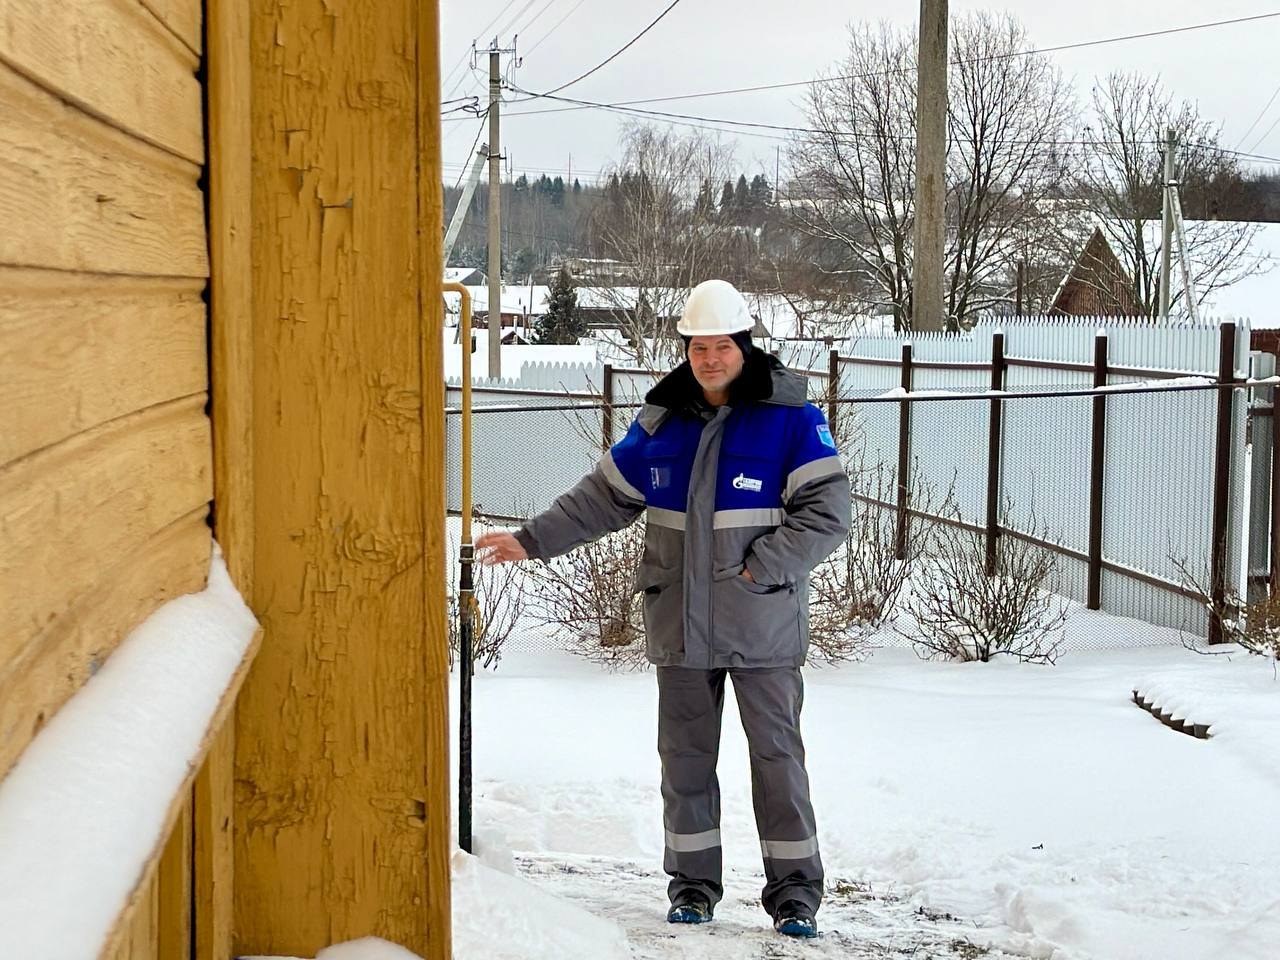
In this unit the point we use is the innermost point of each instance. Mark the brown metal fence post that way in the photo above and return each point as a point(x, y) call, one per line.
point(606, 395)
point(833, 388)
point(994, 435)
point(904, 455)
point(1097, 471)
point(1275, 490)
point(1221, 484)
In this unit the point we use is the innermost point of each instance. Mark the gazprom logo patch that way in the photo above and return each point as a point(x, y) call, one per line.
point(824, 434)
point(743, 482)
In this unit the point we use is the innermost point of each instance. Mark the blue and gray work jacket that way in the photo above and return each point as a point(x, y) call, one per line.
point(756, 484)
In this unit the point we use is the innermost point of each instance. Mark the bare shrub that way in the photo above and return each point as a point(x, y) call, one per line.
point(589, 593)
point(961, 613)
point(855, 591)
point(499, 600)
point(1254, 626)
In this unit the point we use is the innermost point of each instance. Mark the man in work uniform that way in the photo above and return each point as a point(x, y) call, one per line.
point(743, 494)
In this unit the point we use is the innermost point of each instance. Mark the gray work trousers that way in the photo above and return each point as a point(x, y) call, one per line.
point(689, 709)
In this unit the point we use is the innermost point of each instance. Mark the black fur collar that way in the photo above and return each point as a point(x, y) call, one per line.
point(763, 379)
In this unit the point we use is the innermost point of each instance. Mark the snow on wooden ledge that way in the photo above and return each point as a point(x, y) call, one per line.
point(87, 806)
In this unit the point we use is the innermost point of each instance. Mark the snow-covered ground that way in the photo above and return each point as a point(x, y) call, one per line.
point(1028, 811)
point(965, 810)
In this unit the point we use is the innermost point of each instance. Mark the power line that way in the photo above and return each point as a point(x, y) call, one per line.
point(697, 120)
point(880, 73)
point(519, 13)
point(617, 53)
point(1261, 114)
point(1257, 143)
point(539, 41)
point(474, 143)
point(534, 19)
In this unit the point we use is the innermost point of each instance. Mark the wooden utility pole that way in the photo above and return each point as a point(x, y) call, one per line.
point(495, 213)
point(931, 163)
point(1166, 233)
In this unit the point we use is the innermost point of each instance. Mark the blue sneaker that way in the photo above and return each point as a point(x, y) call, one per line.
point(689, 908)
point(794, 919)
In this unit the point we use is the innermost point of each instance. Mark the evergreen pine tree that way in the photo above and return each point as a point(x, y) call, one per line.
point(561, 324)
point(704, 207)
point(726, 200)
point(761, 193)
point(742, 196)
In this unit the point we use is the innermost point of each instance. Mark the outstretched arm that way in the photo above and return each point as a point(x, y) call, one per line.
point(601, 502)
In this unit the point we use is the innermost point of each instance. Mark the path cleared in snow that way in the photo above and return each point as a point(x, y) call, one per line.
point(857, 921)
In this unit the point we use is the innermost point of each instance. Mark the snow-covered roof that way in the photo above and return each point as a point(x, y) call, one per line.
point(516, 298)
point(460, 274)
point(1254, 297)
point(626, 298)
point(1251, 297)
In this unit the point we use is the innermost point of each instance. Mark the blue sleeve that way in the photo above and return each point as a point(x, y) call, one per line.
point(628, 456)
point(811, 454)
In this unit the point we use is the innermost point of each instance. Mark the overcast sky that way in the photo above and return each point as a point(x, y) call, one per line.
point(1230, 71)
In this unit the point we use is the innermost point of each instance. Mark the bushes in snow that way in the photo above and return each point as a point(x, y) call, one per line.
point(1254, 626)
point(961, 613)
point(589, 594)
point(855, 592)
point(499, 606)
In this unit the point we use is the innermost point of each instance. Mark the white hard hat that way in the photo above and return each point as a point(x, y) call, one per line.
point(715, 307)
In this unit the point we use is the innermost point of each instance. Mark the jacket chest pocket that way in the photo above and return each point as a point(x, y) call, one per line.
point(666, 480)
point(750, 474)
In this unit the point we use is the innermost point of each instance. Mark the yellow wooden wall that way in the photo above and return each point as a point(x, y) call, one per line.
point(324, 457)
point(105, 444)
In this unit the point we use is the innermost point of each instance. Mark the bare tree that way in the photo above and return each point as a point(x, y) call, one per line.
point(1008, 113)
point(652, 220)
point(1122, 179)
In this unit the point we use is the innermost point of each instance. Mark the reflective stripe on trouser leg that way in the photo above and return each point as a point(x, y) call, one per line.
point(769, 703)
point(689, 707)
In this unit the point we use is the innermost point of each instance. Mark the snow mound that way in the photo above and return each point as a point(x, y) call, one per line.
point(366, 948)
point(501, 917)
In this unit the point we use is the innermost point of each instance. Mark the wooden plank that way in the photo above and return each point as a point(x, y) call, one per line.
point(435, 685)
point(231, 346)
point(331, 834)
point(139, 898)
point(76, 194)
point(82, 349)
point(174, 884)
point(182, 18)
point(114, 59)
point(101, 494)
point(214, 846)
point(37, 683)
point(230, 285)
